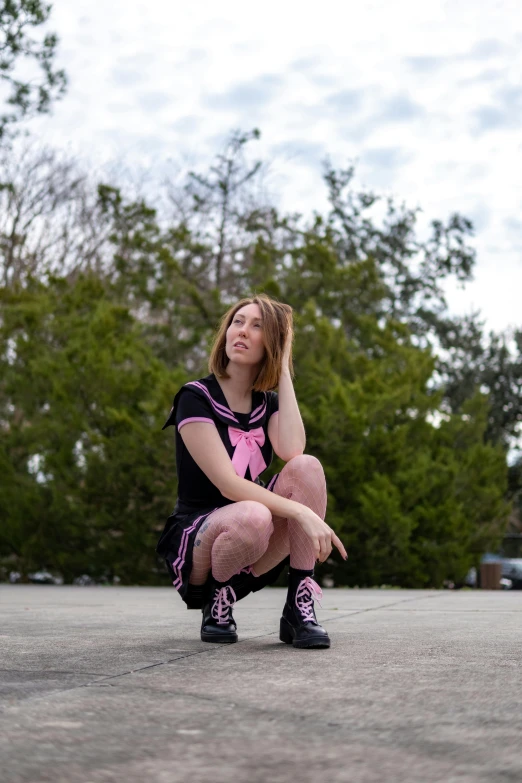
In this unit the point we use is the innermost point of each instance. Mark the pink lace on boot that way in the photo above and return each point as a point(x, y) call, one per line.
point(304, 599)
point(223, 604)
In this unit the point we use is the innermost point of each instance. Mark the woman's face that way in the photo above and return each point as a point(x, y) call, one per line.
point(246, 328)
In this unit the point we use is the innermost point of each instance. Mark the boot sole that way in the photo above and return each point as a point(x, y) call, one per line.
point(210, 637)
point(286, 635)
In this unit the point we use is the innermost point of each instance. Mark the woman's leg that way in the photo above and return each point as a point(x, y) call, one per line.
point(230, 539)
point(302, 479)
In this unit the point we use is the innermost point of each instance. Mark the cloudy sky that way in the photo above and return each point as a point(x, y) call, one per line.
point(425, 99)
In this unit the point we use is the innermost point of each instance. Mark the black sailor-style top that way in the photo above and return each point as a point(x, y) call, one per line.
point(245, 436)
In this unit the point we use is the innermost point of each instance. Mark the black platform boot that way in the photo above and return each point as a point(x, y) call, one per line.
point(218, 623)
point(299, 624)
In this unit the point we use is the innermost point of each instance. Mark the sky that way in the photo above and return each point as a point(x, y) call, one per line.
point(424, 98)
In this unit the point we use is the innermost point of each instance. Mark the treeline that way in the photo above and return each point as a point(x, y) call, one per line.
point(109, 302)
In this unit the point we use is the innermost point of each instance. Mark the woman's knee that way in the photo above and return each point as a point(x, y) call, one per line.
point(254, 516)
point(305, 463)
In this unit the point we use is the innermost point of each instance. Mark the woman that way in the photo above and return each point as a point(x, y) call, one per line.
point(229, 535)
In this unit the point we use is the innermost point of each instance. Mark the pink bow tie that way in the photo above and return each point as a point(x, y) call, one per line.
point(247, 452)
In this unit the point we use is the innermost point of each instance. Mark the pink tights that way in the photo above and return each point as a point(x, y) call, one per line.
point(246, 534)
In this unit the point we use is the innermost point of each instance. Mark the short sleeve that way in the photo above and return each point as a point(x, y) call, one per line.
point(189, 406)
point(192, 407)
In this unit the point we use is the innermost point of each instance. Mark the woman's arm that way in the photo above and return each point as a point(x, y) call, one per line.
point(209, 453)
point(290, 440)
point(286, 430)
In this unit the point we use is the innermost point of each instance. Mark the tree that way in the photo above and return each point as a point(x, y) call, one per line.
point(393, 391)
point(471, 360)
point(156, 272)
point(215, 207)
point(21, 45)
point(414, 502)
point(51, 220)
point(88, 476)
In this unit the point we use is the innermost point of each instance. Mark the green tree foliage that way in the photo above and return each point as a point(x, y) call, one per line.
point(90, 363)
point(414, 502)
point(492, 363)
point(87, 478)
point(22, 43)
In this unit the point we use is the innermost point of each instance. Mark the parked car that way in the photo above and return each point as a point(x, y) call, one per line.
point(512, 569)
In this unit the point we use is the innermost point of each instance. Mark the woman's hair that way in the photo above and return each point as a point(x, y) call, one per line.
point(277, 321)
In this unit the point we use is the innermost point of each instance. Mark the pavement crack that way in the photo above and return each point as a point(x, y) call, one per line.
point(354, 613)
point(216, 649)
point(55, 671)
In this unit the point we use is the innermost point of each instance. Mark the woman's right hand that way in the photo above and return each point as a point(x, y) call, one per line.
point(320, 534)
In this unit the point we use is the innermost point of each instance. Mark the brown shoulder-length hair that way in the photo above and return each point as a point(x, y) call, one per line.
point(277, 322)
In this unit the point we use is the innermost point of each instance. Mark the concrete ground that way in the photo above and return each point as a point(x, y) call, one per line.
point(113, 684)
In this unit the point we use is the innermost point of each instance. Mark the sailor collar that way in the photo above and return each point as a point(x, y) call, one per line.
point(209, 389)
